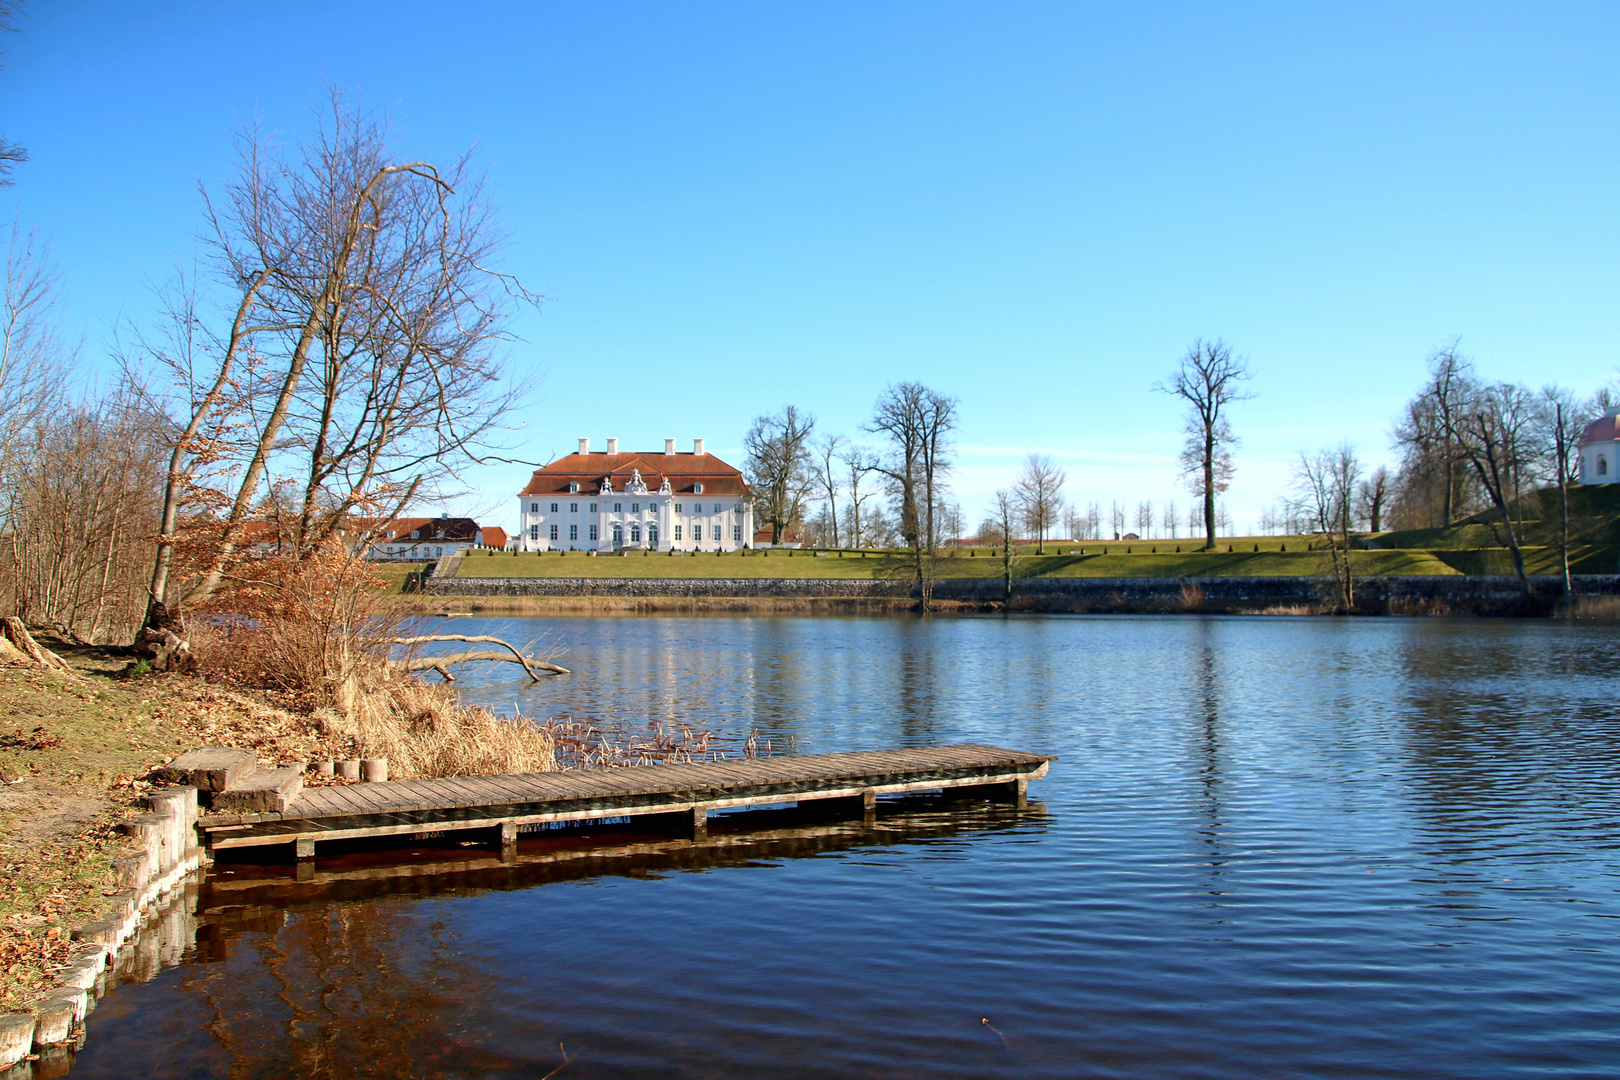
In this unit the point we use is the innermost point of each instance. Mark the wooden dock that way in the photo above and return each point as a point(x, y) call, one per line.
point(675, 798)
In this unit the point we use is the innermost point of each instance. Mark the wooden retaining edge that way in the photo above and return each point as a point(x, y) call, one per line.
point(169, 856)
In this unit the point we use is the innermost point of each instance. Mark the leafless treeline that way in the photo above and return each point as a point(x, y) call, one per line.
point(79, 472)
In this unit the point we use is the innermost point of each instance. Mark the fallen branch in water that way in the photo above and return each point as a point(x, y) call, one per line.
point(535, 668)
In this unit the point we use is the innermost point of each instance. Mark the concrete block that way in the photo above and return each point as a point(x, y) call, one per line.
point(60, 1013)
point(16, 1037)
point(211, 768)
point(374, 770)
point(81, 974)
point(349, 770)
point(325, 768)
point(104, 932)
point(274, 790)
point(132, 871)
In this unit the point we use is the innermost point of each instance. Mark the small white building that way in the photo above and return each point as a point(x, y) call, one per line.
point(1599, 450)
point(608, 501)
point(430, 538)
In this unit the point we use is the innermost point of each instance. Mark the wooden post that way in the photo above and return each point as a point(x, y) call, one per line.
point(693, 824)
point(304, 847)
point(509, 835)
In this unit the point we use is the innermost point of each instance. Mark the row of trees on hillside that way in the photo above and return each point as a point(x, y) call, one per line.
point(908, 465)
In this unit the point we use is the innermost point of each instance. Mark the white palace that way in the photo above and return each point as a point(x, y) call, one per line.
point(596, 501)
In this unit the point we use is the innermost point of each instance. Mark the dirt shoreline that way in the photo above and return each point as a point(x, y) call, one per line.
point(73, 751)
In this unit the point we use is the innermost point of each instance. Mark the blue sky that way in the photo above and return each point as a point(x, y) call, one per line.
point(1035, 207)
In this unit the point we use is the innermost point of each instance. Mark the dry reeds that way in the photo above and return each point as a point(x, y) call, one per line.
point(424, 731)
point(319, 633)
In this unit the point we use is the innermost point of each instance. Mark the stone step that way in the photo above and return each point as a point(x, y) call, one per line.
point(271, 789)
point(211, 768)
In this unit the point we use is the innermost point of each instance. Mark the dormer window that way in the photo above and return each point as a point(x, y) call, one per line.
point(414, 533)
point(573, 487)
point(697, 489)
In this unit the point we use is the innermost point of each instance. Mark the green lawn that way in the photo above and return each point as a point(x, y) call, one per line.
point(1151, 559)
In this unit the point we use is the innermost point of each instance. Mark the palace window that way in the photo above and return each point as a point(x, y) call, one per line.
point(554, 532)
point(534, 532)
point(617, 507)
point(717, 534)
point(593, 534)
point(573, 532)
point(736, 534)
point(679, 509)
point(635, 534)
point(573, 508)
point(573, 487)
point(738, 508)
point(635, 508)
point(677, 534)
point(593, 508)
point(719, 509)
point(534, 508)
point(652, 535)
point(697, 489)
point(553, 508)
point(618, 536)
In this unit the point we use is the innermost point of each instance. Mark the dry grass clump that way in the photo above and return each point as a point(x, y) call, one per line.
point(321, 636)
point(424, 731)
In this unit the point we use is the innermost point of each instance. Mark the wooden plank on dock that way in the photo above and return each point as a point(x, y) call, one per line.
point(402, 807)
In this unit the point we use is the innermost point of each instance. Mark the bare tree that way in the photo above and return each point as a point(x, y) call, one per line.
point(858, 465)
point(780, 468)
point(1039, 491)
point(917, 422)
point(360, 348)
point(1559, 426)
point(1434, 487)
point(829, 477)
point(1209, 379)
point(1325, 486)
point(11, 155)
point(1170, 520)
point(1116, 520)
point(1371, 495)
point(81, 502)
point(1008, 508)
point(1144, 519)
point(32, 357)
point(1486, 435)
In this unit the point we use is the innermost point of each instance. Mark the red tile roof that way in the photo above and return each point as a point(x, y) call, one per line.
point(1603, 429)
point(683, 470)
point(427, 529)
point(494, 536)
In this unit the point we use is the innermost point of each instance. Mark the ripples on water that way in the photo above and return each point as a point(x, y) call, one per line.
point(1273, 847)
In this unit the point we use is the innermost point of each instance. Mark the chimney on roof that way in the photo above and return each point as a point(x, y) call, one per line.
point(613, 446)
point(669, 447)
point(584, 446)
point(697, 447)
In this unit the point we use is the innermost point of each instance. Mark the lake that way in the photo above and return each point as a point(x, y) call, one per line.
point(1272, 847)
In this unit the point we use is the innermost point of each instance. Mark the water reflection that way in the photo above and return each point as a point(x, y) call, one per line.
point(1273, 847)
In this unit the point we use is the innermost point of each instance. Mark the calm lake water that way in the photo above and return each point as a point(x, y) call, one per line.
point(1273, 847)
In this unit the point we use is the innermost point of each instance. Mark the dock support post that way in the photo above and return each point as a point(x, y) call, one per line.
point(1011, 791)
point(508, 835)
point(692, 824)
point(304, 847)
point(863, 806)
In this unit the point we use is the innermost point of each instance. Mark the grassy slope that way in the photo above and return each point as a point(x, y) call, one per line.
point(1473, 546)
point(1153, 559)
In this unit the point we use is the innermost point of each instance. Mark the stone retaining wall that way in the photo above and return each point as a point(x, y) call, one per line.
point(149, 881)
point(1076, 592)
